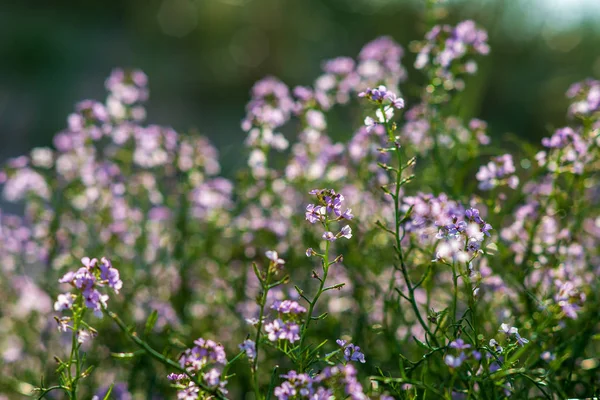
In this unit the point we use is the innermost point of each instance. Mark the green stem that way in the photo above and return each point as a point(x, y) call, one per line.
point(398, 237)
point(454, 294)
point(313, 302)
point(74, 356)
point(263, 301)
point(50, 389)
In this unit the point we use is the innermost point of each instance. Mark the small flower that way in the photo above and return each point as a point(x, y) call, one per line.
point(351, 352)
point(370, 123)
point(395, 101)
point(279, 330)
point(508, 330)
point(454, 362)
point(521, 340)
point(274, 257)
point(273, 329)
point(459, 344)
point(329, 236)
point(173, 377)
point(347, 214)
point(547, 356)
point(495, 345)
point(346, 232)
point(288, 307)
point(310, 252)
point(83, 336)
point(110, 274)
point(249, 347)
point(64, 302)
point(63, 323)
point(314, 213)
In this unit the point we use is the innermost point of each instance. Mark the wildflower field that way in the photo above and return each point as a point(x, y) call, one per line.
point(416, 259)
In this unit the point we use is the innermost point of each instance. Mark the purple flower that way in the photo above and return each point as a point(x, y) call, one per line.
point(206, 357)
point(347, 214)
point(290, 332)
point(110, 274)
point(329, 236)
point(496, 346)
point(249, 347)
point(288, 307)
point(521, 340)
point(176, 377)
point(64, 302)
point(370, 123)
point(314, 213)
point(395, 101)
point(274, 257)
point(346, 232)
point(94, 300)
point(459, 344)
point(454, 362)
point(279, 330)
point(472, 214)
point(497, 172)
point(351, 352)
point(508, 330)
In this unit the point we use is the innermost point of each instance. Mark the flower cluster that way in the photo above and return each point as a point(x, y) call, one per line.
point(500, 171)
point(419, 133)
point(328, 209)
point(463, 238)
point(387, 102)
point(446, 45)
point(456, 361)
point(154, 199)
point(205, 361)
point(586, 98)
point(351, 352)
point(379, 62)
point(568, 151)
point(93, 275)
point(248, 347)
point(569, 298)
point(510, 331)
point(334, 381)
point(287, 325)
point(271, 105)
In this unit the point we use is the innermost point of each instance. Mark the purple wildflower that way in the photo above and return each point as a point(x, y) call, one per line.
point(249, 347)
point(459, 344)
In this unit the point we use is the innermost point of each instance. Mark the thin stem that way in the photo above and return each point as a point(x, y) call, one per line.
point(74, 356)
point(263, 301)
point(397, 219)
point(313, 302)
point(454, 295)
point(48, 390)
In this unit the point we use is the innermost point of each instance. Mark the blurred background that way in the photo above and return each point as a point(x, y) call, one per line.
point(202, 57)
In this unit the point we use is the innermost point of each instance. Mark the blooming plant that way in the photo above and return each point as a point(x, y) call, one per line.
point(413, 260)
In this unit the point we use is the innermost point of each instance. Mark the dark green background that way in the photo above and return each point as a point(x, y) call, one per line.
point(203, 56)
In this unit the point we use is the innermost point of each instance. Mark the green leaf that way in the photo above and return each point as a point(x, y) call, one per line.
point(151, 322)
point(272, 384)
point(108, 392)
point(421, 344)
